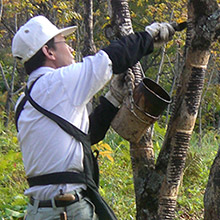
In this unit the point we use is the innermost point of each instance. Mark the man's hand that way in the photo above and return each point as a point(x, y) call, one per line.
point(120, 86)
point(160, 32)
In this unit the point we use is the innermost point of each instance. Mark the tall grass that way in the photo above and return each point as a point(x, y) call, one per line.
point(12, 176)
point(117, 179)
point(116, 182)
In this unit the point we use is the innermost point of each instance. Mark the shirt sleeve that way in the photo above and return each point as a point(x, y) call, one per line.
point(84, 79)
point(128, 50)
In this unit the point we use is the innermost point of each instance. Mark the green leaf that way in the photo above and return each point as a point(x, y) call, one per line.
point(13, 213)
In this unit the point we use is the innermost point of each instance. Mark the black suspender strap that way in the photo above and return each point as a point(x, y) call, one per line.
point(19, 110)
point(21, 104)
point(64, 124)
point(55, 178)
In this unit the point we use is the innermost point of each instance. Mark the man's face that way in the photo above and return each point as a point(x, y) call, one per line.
point(63, 53)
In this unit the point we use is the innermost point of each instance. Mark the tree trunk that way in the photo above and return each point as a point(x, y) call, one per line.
point(1, 9)
point(142, 153)
point(121, 26)
point(89, 46)
point(188, 98)
point(10, 90)
point(212, 194)
point(146, 179)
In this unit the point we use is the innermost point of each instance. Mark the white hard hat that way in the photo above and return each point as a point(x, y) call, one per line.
point(35, 34)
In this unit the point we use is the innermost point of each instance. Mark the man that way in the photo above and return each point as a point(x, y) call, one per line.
point(54, 129)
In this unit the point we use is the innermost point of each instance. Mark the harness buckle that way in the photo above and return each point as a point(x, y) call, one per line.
point(64, 197)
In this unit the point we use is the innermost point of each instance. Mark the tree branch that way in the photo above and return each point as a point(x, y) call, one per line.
point(1, 9)
point(8, 28)
point(19, 90)
point(4, 78)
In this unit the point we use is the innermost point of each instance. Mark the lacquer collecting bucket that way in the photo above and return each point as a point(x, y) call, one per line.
point(134, 118)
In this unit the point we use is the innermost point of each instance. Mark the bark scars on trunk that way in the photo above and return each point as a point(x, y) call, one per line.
point(194, 89)
point(167, 201)
point(180, 147)
point(199, 39)
point(122, 26)
point(121, 18)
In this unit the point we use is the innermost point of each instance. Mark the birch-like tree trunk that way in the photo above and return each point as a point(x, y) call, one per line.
point(202, 20)
point(1, 9)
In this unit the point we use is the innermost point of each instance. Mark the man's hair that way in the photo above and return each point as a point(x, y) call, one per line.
point(38, 59)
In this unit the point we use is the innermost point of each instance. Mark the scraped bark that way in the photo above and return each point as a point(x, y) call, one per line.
point(201, 34)
point(121, 26)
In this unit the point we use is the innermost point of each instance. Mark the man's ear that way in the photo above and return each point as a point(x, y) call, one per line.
point(49, 53)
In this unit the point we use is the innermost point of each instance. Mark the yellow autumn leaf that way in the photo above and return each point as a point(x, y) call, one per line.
point(110, 158)
point(15, 140)
point(180, 20)
point(105, 152)
point(133, 15)
point(106, 146)
point(139, 3)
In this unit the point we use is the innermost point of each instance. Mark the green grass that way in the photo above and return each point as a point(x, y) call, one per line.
point(116, 182)
point(12, 176)
point(117, 179)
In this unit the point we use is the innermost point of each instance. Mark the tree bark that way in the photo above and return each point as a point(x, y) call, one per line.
point(212, 194)
point(145, 178)
point(1, 9)
point(121, 26)
point(142, 153)
point(89, 46)
point(188, 98)
point(10, 90)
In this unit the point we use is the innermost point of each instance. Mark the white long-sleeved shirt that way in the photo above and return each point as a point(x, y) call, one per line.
point(65, 91)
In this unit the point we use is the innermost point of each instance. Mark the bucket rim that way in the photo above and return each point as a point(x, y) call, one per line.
point(165, 100)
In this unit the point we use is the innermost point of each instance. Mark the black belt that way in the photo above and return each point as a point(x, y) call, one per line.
point(59, 203)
